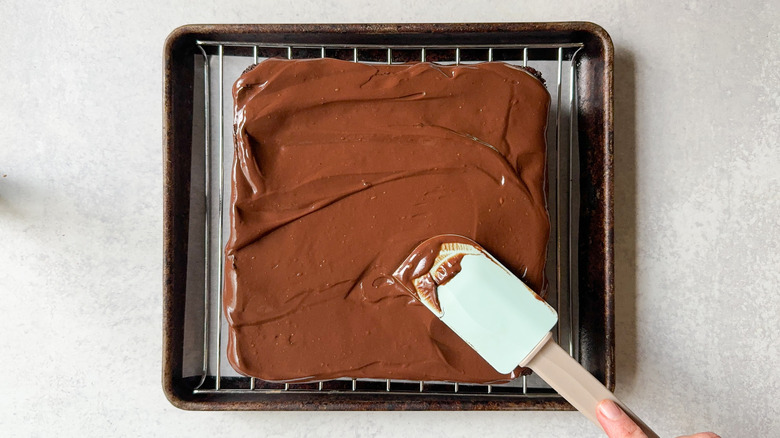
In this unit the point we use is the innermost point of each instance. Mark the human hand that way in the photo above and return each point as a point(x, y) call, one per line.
point(619, 425)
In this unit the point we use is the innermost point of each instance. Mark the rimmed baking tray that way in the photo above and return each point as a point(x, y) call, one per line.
point(202, 61)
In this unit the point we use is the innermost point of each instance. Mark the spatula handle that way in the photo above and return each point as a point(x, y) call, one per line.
point(575, 383)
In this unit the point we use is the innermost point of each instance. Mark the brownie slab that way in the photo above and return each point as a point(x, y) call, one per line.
point(340, 170)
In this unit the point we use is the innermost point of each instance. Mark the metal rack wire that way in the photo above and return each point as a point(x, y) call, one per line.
point(562, 185)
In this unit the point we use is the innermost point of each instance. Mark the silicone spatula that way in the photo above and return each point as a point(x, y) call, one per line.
point(506, 322)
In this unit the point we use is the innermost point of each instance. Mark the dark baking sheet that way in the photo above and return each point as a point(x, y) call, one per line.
point(593, 253)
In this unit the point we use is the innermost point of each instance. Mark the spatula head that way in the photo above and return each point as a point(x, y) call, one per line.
point(478, 298)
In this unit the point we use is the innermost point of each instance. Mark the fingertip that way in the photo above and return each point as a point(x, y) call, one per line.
point(609, 410)
point(615, 422)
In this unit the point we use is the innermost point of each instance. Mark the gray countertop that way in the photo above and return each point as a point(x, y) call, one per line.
point(697, 157)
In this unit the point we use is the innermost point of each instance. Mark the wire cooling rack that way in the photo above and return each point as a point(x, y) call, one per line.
point(220, 63)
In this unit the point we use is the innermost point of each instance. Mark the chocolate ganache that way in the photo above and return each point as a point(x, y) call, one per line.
point(341, 169)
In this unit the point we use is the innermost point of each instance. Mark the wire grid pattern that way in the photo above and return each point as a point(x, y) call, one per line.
point(561, 184)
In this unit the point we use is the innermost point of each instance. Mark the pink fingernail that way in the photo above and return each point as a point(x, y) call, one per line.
point(610, 410)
